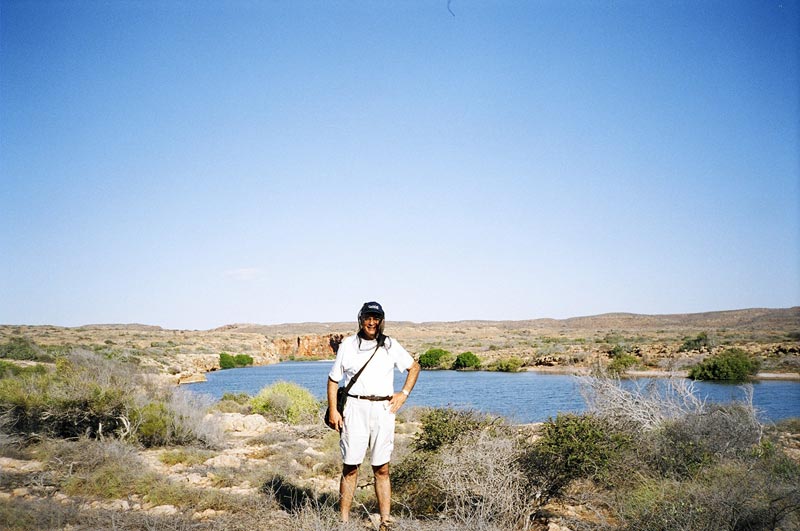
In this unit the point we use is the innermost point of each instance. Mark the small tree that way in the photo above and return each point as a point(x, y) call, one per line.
point(621, 361)
point(467, 360)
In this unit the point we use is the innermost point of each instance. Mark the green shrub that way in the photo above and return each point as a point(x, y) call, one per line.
point(243, 360)
point(467, 360)
point(442, 426)
point(572, 447)
point(63, 405)
point(186, 456)
point(226, 361)
point(512, 364)
point(286, 402)
point(731, 365)
point(19, 348)
point(575, 446)
point(412, 485)
point(234, 403)
point(22, 348)
point(239, 398)
point(154, 422)
point(732, 495)
point(622, 363)
point(88, 395)
point(8, 369)
point(434, 358)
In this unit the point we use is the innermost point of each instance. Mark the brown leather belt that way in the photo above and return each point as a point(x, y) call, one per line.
point(372, 398)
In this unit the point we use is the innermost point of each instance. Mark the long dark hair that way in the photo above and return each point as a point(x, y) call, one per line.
point(380, 336)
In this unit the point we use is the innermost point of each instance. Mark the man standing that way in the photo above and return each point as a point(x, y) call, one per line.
point(369, 415)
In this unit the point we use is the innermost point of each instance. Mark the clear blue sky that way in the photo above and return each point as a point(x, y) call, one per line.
point(193, 164)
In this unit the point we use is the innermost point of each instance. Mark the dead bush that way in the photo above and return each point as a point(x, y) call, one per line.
point(647, 405)
point(684, 445)
point(476, 481)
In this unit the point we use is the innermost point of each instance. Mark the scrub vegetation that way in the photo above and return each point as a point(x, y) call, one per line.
point(85, 395)
point(639, 459)
point(95, 435)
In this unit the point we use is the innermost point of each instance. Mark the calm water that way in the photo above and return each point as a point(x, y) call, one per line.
point(522, 397)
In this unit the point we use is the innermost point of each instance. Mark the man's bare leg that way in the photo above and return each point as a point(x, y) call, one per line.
point(383, 490)
point(347, 487)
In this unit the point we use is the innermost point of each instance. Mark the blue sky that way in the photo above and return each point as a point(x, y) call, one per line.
point(194, 164)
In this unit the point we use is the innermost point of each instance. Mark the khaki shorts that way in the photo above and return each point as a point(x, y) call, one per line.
point(370, 425)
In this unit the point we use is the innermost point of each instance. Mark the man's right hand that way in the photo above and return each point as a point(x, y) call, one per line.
point(335, 420)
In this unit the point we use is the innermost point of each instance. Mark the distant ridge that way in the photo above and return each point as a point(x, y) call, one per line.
point(746, 319)
point(120, 326)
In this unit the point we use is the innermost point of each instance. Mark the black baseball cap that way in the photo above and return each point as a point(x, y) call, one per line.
point(371, 308)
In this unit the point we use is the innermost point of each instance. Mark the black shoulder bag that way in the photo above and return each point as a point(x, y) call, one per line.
point(341, 393)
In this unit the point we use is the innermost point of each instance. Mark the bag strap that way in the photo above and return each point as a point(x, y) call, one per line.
point(354, 378)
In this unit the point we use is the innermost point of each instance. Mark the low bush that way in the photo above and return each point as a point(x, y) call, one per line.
point(286, 402)
point(67, 403)
point(413, 477)
point(186, 418)
point(442, 426)
point(571, 447)
point(88, 395)
point(243, 360)
point(467, 360)
point(185, 455)
point(683, 446)
point(234, 403)
point(22, 348)
point(479, 482)
point(733, 365)
point(512, 364)
point(113, 470)
point(87, 467)
point(469, 471)
point(239, 398)
point(436, 358)
point(732, 495)
point(8, 369)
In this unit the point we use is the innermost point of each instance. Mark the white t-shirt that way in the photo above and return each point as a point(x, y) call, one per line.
point(378, 378)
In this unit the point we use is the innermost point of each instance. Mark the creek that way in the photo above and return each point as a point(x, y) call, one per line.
point(521, 397)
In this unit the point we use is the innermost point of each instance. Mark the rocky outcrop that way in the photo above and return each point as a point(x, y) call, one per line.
point(307, 347)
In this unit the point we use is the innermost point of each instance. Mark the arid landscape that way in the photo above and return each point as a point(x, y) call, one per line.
point(174, 464)
point(659, 342)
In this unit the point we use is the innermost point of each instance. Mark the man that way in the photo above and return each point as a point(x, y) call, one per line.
point(369, 413)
